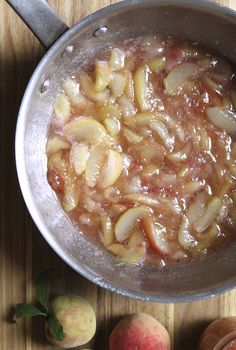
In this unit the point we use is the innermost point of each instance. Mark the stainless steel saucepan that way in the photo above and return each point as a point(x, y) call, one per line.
point(198, 20)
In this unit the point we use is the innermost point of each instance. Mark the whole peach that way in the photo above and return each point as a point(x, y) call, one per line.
point(139, 331)
point(77, 318)
point(220, 334)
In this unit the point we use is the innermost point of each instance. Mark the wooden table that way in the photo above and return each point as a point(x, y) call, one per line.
point(23, 251)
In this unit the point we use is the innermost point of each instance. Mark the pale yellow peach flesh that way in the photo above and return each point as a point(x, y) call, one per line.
point(141, 88)
point(112, 169)
point(102, 75)
point(85, 129)
point(94, 164)
point(56, 144)
point(156, 64)
point(62, 109)
point(117, 84)
point(143, 119)
point(142, 198)
point(156, 235)
point(128, 255)
point(222, 119)
point(72, 90)
point(208, 215)
point(79, 155)
point(131, 136)
point(177, 76)
point(163, 133)
point(112, 125)
point(117, 59)
point(185, 237)
point(71, 193)
point(107, 235)
point(128, 220)
point(88, 89)
point(135, 250)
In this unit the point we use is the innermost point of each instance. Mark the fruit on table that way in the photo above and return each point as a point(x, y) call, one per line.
point(139, 331)
point(219, 335)
point(77, 318)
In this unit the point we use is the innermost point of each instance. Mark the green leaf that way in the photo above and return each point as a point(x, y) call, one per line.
point(55, 328)
point(42, 288)
point(27, 310)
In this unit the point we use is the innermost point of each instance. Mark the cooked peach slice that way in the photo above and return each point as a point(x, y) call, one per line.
point(207, 238)
point(102, 75)
point(142, 198)
point(136, 239)
point(156, 235)
point(163, 133)
point(94, 164)
point(88, 89)
point(107, 235)
point(205, 141)
point(62, 109)
point(185, 237)
point(192, 186)
point(177, 76)
point(181, 155)
point(129, 255)
point(149, 170)
point(117, 59)
point(79, 154)
point(127, 108)
point(117, 84)
point(143, 119)
point(152, 151)
point(156, 64)
point(222, 119)
point(112, 169)
point(149, 152)
point(112, 125)
point(131, 136)
point(107, 111)
point(209, 215)
point(137, 246)
point(129, 87)
point(134, 252)
point(58, 162)
point(71, 194)
point(141, 88)
point(72, 90)
point(184, 171)
point(174, 125)
point(217, 87)
point(118, 249)
point(85, 129)
point(127, 221)
point(56, 144)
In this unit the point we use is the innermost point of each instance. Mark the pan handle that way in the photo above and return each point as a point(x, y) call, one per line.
point(41, 19)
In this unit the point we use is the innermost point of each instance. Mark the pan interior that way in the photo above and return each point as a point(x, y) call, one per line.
point(203, 23)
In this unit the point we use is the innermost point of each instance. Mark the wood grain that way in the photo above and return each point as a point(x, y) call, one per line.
point(23, 252)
